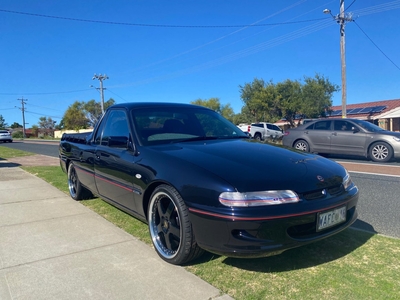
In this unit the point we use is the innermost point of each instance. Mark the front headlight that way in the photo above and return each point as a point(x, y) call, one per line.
point(347, 181)
point(258, 198)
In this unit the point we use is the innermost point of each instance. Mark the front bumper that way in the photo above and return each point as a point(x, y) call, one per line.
point(260, 235)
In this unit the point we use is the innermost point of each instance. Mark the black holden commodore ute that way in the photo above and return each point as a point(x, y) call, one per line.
point(201, 184)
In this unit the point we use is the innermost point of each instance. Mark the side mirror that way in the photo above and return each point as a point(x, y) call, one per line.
point(248, 134)
point(355, 129)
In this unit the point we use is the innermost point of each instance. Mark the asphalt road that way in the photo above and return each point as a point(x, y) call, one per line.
point(39, 147)
point(379, 202)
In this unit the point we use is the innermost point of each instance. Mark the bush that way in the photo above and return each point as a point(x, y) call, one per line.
point(17, 135)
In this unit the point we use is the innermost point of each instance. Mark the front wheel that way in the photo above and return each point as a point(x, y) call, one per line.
point(170, 228)
point(76, 190)
point(380, 152)
point(302, 145)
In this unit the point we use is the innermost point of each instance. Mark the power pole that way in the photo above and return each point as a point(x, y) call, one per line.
point(101, 78)
point(342, 18)
point(22, 108)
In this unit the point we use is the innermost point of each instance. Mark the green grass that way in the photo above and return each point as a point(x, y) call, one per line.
point(349, 265)
point(6, 153)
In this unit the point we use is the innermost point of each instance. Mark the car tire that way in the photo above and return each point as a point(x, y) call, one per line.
point(76, 190)
point(302, 145)
point(380, 152)
point(170, 228)
point(257, 136)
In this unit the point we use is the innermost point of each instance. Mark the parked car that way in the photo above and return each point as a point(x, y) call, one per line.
point(262, 130)
point(345, 136)
point(201, 184)
point(5, 136)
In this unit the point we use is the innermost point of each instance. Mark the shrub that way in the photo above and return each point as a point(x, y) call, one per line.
point(17, 135)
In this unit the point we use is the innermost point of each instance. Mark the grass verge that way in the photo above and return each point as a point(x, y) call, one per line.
point(350, 265)
point(6, 153)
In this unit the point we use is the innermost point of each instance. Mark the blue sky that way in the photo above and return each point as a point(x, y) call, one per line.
point(191, 50)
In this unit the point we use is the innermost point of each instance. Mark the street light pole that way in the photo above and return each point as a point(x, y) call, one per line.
point(342, 18)
point(101, 78)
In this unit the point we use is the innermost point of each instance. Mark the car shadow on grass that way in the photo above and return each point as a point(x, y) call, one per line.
point(306, 256)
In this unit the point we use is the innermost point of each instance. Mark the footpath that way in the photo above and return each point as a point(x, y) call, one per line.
point(52, 247)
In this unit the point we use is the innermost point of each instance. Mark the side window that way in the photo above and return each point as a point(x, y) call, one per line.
point(343, 126)
point(116, 125)
point(274, 127)
point(322, 125)
point(99, 133)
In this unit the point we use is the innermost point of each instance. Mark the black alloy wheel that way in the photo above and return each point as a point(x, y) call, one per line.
point(170, 228)
point(76, 190)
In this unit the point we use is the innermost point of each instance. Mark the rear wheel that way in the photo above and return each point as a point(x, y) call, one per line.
point(257, 136)
point(170, 228)
point(380, 152)
point(76, 190)
point(302, 145)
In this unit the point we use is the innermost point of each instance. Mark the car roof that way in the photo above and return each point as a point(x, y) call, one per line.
point(130, 105)
point(332, 119)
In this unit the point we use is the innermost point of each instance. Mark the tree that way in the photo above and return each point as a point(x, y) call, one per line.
point(93, 110)
point(46, 123)
point(3, 123)
point(60, 125)
point(317, 93)
point(35, 130)
point(74, 117)
point(253, 96)
point(81, 114)
point(213, 103)
point(15, 125)
point(289, 99)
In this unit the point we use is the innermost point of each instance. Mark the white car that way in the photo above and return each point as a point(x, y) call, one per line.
point(5, 136)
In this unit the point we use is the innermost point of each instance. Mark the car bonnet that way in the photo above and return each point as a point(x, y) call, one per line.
point(250, 166)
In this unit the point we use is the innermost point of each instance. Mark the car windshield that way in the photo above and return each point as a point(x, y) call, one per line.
point(161, 125)
point(368, 126)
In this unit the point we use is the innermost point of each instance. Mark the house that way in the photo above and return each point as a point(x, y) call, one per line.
point(385, 114)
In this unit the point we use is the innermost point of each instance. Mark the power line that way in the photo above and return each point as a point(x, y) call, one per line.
point(42, 114)
point(44, 93)
point(376, 45)
point(350, 5)
point(154, 25)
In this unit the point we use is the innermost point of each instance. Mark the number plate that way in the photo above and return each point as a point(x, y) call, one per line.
point(331, 218)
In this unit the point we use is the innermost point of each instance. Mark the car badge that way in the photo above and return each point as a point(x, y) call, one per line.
point(320, 178)
point(324, 192)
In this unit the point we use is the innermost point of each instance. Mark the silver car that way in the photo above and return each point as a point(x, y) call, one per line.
point(345, 136)
point(5, 136)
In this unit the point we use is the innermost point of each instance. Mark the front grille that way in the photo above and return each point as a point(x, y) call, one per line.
point(323, 193)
